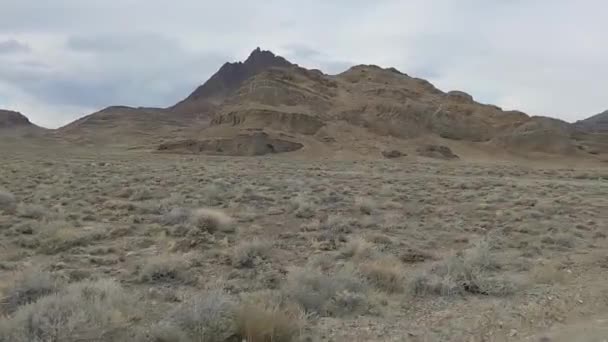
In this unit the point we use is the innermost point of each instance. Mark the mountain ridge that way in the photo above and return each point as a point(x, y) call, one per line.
point(268, 93)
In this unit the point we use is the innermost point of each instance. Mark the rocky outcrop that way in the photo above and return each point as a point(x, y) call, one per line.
point(436, 152)
point(392, 154)
point(281, 121)
point(251, 144)
point(227, 80)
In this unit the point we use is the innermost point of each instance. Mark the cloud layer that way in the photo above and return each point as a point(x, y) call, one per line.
point(62, 59)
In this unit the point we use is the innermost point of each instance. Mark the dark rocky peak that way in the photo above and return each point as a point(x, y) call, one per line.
point(231, 76)
point(9, 118)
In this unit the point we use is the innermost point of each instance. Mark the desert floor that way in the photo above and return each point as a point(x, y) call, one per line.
point(136, 246)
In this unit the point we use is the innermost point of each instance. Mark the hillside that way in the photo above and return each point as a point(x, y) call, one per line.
point(124, 126)
point(364, 110)
point(11, 119)
point(596, 124)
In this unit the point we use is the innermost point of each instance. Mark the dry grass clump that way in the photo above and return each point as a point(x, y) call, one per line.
point(216, 316)
point(7, 201)
point(365, 205)
point(209, 316)
point(141, 194)
point(340, 293)
point(31, 211)
point(176, 216)
point(246, 253)
point(27, 288)
point(470, 272)
point(86, 311)
point(165, 269)
point(59, 236)
point(357, 249)
point(384, 273)
point(303, 208)
point(211, 220)
point(260, 318)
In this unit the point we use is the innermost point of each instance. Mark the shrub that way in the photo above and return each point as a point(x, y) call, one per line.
point(59, 236)
point(26, 289)
point(302, 208)
point(358, 249)
point(165, 269)
point(207, 316)
point(385, 274)
point(246, 253)
point(141, 194)
point(32, 211)
point(365, 205)
point(176, 216)
point(326, 294)
point(260, 319)
point(163, 332)
point(468, 272)
point(82, 312)
point(7, 201)
point(211, 220)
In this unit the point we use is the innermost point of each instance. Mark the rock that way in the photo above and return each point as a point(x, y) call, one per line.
point(437, 152)
point(255, 144)
point(459, 96)
point(391, 154)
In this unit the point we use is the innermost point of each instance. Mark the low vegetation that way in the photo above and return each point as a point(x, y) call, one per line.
point(159, 248)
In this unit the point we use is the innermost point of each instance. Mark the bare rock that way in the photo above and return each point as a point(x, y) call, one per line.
point(391, 154)
point(437, 152)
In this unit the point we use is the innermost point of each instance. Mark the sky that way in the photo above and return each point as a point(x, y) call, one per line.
point(62, 59)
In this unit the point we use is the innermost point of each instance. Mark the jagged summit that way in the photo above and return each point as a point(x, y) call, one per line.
point(227, 79)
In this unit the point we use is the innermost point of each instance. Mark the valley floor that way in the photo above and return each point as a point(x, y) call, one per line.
point(156, 247)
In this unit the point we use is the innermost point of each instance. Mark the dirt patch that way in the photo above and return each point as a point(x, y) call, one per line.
point(255, 144)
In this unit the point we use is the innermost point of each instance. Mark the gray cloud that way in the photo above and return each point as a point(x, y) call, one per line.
point(12, 46)
point(65, 57)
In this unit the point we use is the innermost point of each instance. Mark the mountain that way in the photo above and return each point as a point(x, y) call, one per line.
point(226, 80)
point(597, 123)
point(267, 104)
point(11, 119)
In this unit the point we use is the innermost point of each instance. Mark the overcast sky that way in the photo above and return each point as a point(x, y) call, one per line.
point(61, 59)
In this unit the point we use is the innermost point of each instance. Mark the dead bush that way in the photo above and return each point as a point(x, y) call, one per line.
point(7, 201)
point(470, 272)
point(211, 220)
point(31, 211)
point(357, 249)
point(27, 288)
point(336, 294)
point(303, 208)
point(260, 318)
point(246, 253)
point(87, 311)
point(176, 216)
point(59, 236)
point(385, 273)
point(365, 205)
point(165, 269)
point(208, 316)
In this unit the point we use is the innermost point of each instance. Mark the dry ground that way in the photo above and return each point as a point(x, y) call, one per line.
point(152, 247)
